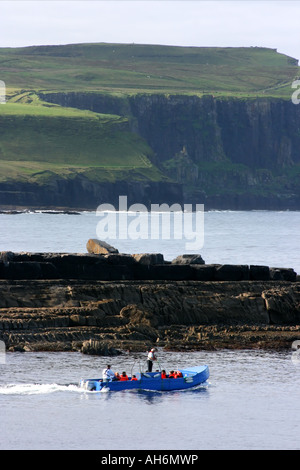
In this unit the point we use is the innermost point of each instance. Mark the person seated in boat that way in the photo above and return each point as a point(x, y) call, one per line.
point(178, 374)
point(163, 374)
point(171, 375)
point(123, 376)
point(107, 374)
point(117, 376)
point(133, 377)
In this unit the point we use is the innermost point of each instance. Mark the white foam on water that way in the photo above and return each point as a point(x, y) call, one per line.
point(36, 389)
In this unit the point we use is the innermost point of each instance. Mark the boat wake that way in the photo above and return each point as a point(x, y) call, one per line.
point(36, 389)
point(43, 389)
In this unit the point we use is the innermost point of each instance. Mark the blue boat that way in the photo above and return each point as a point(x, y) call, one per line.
point(191, 377)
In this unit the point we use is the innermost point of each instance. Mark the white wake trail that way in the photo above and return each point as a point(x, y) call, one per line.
point(36, 389)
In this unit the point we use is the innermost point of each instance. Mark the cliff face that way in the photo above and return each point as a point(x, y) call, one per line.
point(82, 194)
point(260, 133)
point(244, 153)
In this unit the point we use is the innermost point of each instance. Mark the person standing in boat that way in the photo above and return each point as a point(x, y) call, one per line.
point(151, 358)
point(107, 374)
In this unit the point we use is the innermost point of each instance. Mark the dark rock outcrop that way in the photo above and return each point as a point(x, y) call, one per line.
point(99, 348)
point(82, 193)
point(104, 304)
point(108, 317)
point(120, 266)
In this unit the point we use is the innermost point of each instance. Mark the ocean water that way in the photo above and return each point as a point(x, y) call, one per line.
point(256, 237)
point(251, 400)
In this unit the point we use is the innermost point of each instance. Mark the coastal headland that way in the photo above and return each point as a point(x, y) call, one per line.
point(105, 304)
point(206, 125)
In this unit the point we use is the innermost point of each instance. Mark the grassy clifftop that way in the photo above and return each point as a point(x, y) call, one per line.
point(133, 68)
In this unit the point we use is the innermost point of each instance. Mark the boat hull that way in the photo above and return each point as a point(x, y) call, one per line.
point(192, 377)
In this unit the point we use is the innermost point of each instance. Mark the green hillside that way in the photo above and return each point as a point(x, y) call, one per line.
point(133, 68)
point(39, 141)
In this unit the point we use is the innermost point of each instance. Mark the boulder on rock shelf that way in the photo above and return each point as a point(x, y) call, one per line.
point(99, 247)
point(149, 258)
point(188, 259)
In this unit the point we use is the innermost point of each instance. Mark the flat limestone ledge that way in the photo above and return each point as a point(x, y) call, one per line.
point(176, 338)
point(118, 266)
point(63, 315)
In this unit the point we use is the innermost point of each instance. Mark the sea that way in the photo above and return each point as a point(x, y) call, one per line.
point(251, 400)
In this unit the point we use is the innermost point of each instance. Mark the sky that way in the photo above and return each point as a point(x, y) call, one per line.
point(263, 23)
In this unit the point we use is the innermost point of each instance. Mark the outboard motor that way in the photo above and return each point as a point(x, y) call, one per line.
point(90, 385)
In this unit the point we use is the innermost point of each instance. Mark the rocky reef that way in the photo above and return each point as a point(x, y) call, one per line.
point(108, 303)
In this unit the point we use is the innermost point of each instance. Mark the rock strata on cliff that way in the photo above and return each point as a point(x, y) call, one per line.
point(98, 316)
point(108, 317)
